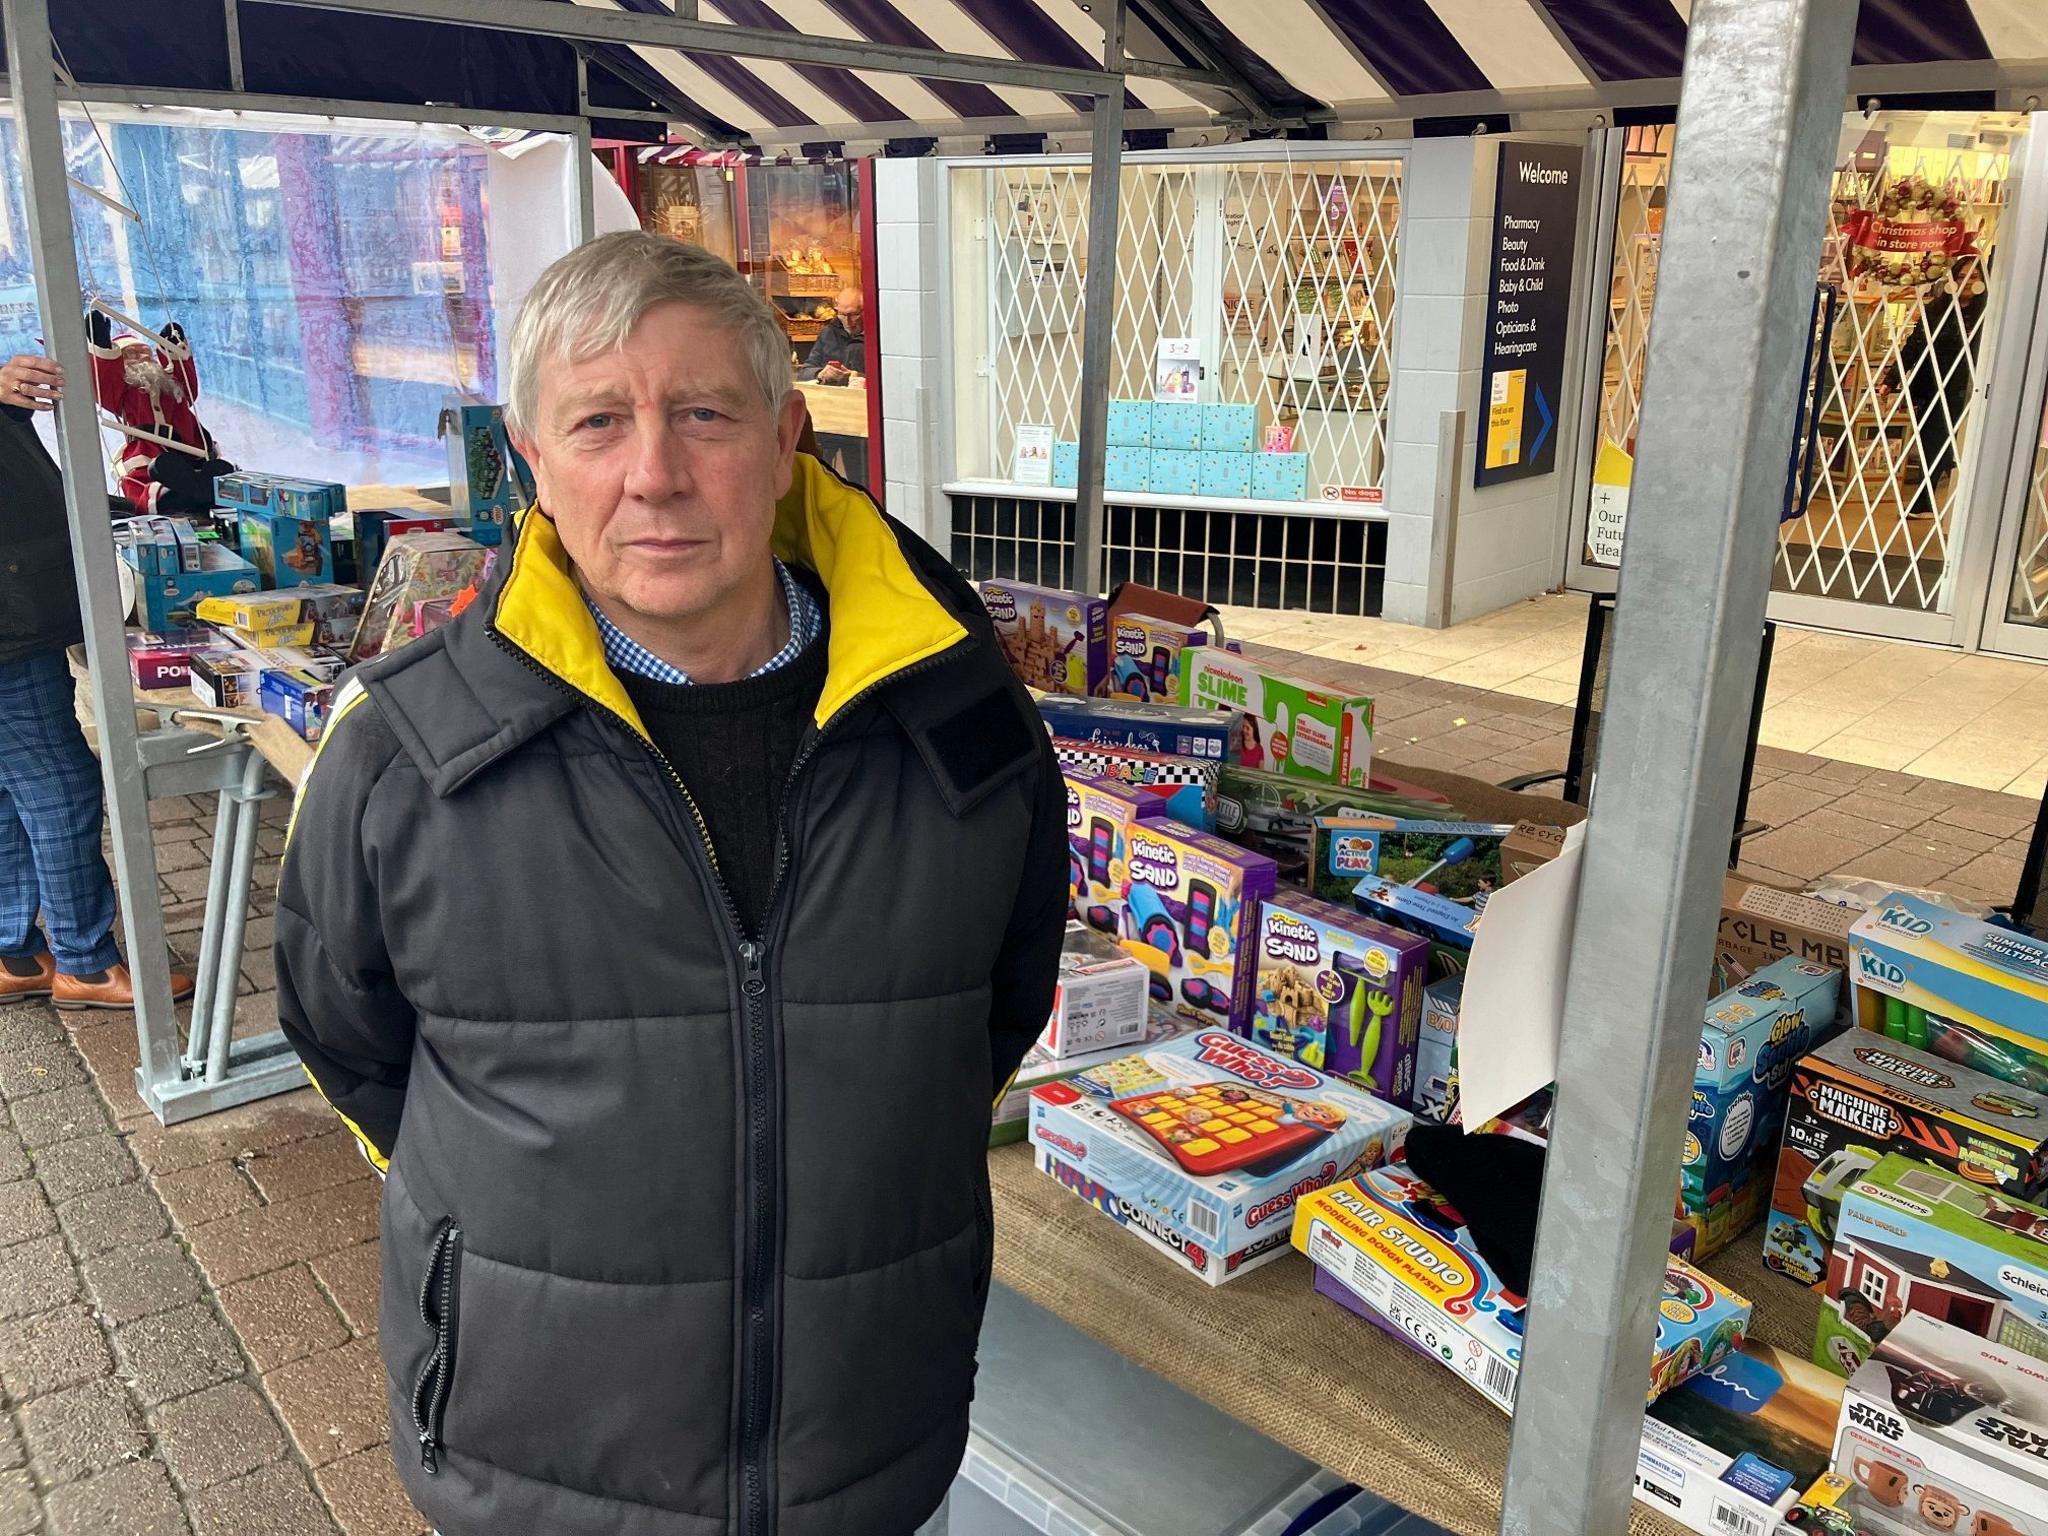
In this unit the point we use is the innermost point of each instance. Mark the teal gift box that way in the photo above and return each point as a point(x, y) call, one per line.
point(1126, 469)
point(1229, 428)
point(1175, 472)
point(1066, 464)
point(1280, 476)
point(1130, 423)
point(1226, 474)
point(1176, 424)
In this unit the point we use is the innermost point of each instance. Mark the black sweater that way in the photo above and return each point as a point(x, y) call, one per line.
point(38, 599)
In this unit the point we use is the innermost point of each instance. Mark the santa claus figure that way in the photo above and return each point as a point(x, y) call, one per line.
point(151, 390)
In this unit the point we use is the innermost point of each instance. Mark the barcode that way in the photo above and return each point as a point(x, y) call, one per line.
point(1500, 1380)
point(1207, 1225)
point(1736, 1521)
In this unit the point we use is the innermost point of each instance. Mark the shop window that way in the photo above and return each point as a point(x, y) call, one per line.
point(690, 203)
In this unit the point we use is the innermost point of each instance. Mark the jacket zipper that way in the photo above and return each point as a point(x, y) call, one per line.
point(439, 1291)
point(758, 1346)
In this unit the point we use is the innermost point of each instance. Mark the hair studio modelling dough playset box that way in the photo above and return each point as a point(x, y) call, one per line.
point(1291, 725)
point(1203, 1145)
point(1057, 641)
point(1861, 1096)
point(1942, 1431)
point(1340, 992)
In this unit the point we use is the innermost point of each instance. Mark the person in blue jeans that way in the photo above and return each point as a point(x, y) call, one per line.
point(50, 805)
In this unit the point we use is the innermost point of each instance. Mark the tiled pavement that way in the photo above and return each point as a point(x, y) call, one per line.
point(188, 1315)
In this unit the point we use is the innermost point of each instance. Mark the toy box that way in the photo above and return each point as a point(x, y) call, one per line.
point(1186, 785)
point(1861, 1096)
point(166, 593)
point(157, 545)
point(417, 568)
point(1066, 464)
point(1991, 980)
point(1391, 1239)
point(227, 680)
point(1101, 1000)
point(1176, 426)
point(1759, 923)
point(1274, 814)
point(1297, 727)
point(1126, 469)
point(1055, 641)
point(1913, 1238)
point(300, 699)
point(1229, 428)
point(1174, 472)
point(1224, 474)
point(1145, 657)
point(1753, 1037)
point(165, 660)
point(1012, 1115)
point(376, 527)
point(1340, 992)
point(1457, 860)
point(1942, 1431)
point(1204, 1144)
point(1190, 906)
point(1162, 728)
point(307, 615)
point(1436, 1049)
point(1280, 476)
point(1100, 815)
point(283, 525)
point(1130, 424)
point(488, 482)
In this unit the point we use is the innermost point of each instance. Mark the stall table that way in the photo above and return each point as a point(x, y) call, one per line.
point(839, 415)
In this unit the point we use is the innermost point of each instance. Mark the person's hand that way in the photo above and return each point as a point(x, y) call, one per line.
point(31, 381)
point(833, 373)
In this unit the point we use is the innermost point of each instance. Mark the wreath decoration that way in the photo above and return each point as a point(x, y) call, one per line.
point(1911, 236)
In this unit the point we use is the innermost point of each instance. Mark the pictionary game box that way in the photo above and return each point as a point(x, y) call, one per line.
point(1203, 1145)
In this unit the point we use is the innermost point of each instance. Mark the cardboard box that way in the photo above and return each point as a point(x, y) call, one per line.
point(1300, 728)
point(1457, 860)
point(1145, 657)
point(417, 568)
point(1176, 426)
point(1225, 474)
point(1055, 641)
point(1989, 979)
point(1436, 1049)
point(1280, 476)
point(1861, 1096)
point(1186, 785)
point(300, 699)
point(1100, 815)
point(1228, 428)
point(1203, 1145)
point(488, 482)
point(1173, 471)
point(1942, 1431)
point(1913, 1238)
point(1101, 1000)
point(1130, 424)
point(1339, 992)
point(1066, 464)
point(1275, 815)
point(1163, 728)
point(227, 680)
point(331, 611)
point(1393, 1240)
point(376, 527)
point(1190, 913)
point(292, 543)
point(1530, 845)
point(164, 660)
point(1760, 923)
point(1012, 1117)
point(1126, 469)
point(172, 597)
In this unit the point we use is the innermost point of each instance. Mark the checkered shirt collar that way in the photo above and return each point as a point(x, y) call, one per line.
point(627, 655)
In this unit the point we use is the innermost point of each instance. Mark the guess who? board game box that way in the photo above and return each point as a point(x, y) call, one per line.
point(1339, 992)
point(1913, 1238)
point(1203, 1145)
point(1057, 641)
point(1389, 1237)
point(1943, 1431)
point(1861, 1096)
point(1291, 725)
point(1012, 1115)
point(1190, 904)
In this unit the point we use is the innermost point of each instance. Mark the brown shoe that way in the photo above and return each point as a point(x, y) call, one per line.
point(14, 988)
point(114, 991)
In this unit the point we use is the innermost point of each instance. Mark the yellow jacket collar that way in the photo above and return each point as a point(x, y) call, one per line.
point(883, 618)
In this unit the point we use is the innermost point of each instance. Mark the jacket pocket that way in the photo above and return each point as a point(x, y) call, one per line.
point(38, 597)
point(440, 1299)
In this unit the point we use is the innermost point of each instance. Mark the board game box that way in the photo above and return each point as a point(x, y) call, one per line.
point(1990, 979)
point(1861, 1096)
point(1291, 725)
point(1056, 641)
point(1394, 1241)
point(1013, 1110)
point(1100, 815)
point(1203, 1144)
point(1187, 785)
point(1190, 904)
point(1913, 1238)
point(1165, 728)
point(1339, 992)
point(1943, 1431)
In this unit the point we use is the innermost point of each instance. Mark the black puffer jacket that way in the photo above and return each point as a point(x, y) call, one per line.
point(686, 1230)
point(38, 594)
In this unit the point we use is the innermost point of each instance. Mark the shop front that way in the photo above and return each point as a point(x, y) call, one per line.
point(1916, 506)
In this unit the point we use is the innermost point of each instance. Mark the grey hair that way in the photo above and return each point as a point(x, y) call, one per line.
point(588, 302)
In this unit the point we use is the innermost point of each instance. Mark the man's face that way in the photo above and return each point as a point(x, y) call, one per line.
point(851, 313)
point(661, 465)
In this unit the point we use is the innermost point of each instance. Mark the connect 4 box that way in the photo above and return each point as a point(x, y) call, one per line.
point(1340, 992)
point(1992, 980)
point(1203, 1145)
point(1861, 1096)
point(1057, 641)
point(1190, 904)
point(1293, 726)
point(1100, 816)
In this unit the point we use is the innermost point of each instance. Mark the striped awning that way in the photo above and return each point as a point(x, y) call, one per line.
point(1334, 60)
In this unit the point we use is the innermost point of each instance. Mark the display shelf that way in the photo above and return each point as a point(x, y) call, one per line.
point(1316, 508)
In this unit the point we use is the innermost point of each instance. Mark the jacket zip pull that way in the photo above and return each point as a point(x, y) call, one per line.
point(753, 954)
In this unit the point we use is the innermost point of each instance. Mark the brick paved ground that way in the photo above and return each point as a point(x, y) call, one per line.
point(188, 1315)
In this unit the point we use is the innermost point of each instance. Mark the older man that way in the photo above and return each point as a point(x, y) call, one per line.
point(663, 927)
point(840, 354)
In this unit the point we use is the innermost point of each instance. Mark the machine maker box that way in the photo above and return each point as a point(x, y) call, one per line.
point(1298, 727)
point(1340, 992)
point(1861, 1096)
point(1990, 979)
point(1203, 1144)
point(1055, 641)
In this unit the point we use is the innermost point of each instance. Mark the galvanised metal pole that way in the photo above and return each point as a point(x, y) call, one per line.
point(51, 240)
point(1757, 127)
point(1098, 307)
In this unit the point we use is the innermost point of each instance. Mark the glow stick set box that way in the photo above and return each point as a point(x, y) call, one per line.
point(1292, 725)
point(1203, 1145)
point(1057, 641)
point(1990, 979)
point(1391, 1239)
point(1943, 1431)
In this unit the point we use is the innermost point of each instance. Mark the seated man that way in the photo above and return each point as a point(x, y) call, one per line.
point(840, 354)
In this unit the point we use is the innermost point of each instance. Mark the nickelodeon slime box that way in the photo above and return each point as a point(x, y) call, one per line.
point(1203, 1144)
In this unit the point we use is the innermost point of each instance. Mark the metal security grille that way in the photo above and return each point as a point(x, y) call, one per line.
point(1638, 232)
point(1311, 563)
point(2028, 603)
